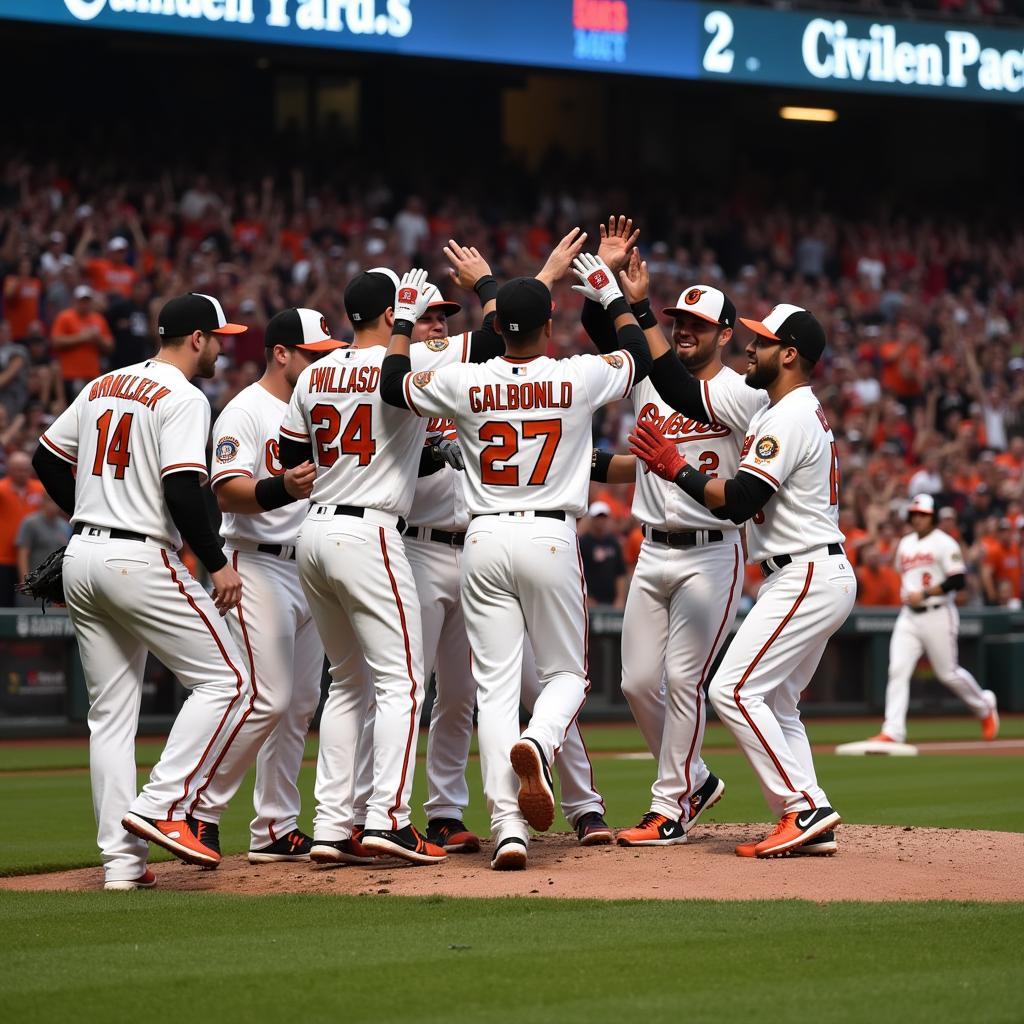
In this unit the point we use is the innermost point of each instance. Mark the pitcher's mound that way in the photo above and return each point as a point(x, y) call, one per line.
point(874, 862)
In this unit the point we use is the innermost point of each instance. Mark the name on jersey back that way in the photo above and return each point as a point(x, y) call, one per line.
point(130, 388)
point(539, 394)
point(340, 380)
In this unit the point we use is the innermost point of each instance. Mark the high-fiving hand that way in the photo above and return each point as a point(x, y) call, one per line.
point(650, 445)
point(597, 282)
point(413, 296)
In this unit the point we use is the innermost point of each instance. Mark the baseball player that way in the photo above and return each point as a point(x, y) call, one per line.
point(434, 541)
point(524, 422)
point(931, 568)
point(137, 438)
point(787, 490)
point(354, 570)
point(272, 623)
point(685, 591)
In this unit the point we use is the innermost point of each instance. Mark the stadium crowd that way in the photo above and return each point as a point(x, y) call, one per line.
point(923, 380)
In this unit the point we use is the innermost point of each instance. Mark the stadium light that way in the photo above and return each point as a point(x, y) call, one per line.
point(821, 114)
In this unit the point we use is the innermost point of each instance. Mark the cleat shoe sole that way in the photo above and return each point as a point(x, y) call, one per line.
point(382, 844)
point(785, 849)
point(674, 841)
point(325, 853)
point(510, 855)
point(536, 799)
point(255, 857)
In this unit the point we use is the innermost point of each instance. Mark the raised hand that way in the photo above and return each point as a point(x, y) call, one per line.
point(649, 444)
point(597, 282)
point(560, 260)
point(468, 266)
point(617, 242)
point(635, 279)
point(413, 295)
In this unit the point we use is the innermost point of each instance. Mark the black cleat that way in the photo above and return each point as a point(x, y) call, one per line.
point(452, 836)
point(293, 847)
point(707, 796)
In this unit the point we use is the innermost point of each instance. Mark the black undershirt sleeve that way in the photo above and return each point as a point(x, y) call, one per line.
point(599, 327)
point(951, 583)
point(600, 463)
point(678, 387)
point(184, 497)
point(57, 477)
point(392, 375)
point(745, 494)
point(428, 464)
point(484, 343)
point(292, 453)
point(632, 339)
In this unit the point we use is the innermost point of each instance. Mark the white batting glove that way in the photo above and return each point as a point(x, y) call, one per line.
point(597, 282)
point(413, 296)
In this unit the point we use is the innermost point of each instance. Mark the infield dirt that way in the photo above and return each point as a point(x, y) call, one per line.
point(875, 863)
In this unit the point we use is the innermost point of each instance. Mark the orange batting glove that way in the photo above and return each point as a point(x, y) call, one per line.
point(653, 448)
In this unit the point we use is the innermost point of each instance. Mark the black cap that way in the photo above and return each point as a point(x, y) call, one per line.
point(195, 312)
point(524, 304)
point(792, 325)
point(367, 295)
point(301, 328)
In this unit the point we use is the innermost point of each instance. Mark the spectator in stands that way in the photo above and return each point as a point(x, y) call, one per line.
point(603, 564)
point(1001, 563)
point(40, 533)
point(80, 337)
point(129, 322)
point(22, 296)
point(878, 583)
point(13, 373)
point(21, 494)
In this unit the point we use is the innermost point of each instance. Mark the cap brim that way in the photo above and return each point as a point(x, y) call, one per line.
point(230, 329)
point(327, 345)
point(674, 311)
point(448, 308)
point(922, 511)
point(759, 328)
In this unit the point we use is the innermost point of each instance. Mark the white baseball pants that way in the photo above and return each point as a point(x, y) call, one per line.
point(126, 598)
point(756, 690)
point(523, 574)
point(363, 597)
point(275, 631)
point(933, 632)
point(680, 607)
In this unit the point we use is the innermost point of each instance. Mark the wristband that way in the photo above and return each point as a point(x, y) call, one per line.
point(403, 327)
point(272, 493)
point(692, 481)
point(644, 315)
point(486, 289)
point(617, 307)
point(600, 463)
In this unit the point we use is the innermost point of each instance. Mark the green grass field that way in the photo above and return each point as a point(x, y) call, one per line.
point(112, 957)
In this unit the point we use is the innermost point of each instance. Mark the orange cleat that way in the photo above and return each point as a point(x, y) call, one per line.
point(654, 829)
point(174, 836)
point(880, 738)
point(452, 836)
point(145, 881)
point(746, 850)
point(793, 830)
point(990, 723)
point(340, 851)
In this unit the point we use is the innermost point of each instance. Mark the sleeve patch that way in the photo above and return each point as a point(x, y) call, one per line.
point(227, 449)
point(766, 449)
point(436, 344)
point(615, 361)
point(423, 378)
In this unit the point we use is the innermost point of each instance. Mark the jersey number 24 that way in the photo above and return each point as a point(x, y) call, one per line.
point(356, 439)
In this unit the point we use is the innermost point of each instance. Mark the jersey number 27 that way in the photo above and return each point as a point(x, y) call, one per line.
point(503, 445)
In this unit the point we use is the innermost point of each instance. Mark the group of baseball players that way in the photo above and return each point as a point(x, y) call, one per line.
point(407, 504)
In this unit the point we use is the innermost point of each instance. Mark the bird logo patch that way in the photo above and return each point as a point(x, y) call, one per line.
point(407, 295)
point(692, 297)
point(766, 448)
point(227, 449)
point(436, 344)
point(324, 327)
point(614, 361)
point(423, 378)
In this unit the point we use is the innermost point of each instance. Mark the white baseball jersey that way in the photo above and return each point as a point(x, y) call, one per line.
point(714, 448)
point(366, 452)
point(927, 561)
point(524, 425)
point(439, 500)
point(790, 445)
point(245, 443)
point(125, 432)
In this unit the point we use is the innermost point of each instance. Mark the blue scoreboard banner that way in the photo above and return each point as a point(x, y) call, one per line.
point(663, 38)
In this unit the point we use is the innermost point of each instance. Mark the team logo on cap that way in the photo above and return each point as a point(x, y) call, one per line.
point(598, 279)
point(436, 344)
point(407, 295)
point(766, 448)
point(692, 297)
point(227, 449)
point(423, 378)
point(614, 361)
point(324, 327)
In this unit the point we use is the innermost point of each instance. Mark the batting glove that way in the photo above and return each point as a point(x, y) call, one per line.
point(448, 450)
point(597, 282)
point(413, 296)
point(652, 447)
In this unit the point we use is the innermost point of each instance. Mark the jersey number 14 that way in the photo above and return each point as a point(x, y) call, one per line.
point(112, 447)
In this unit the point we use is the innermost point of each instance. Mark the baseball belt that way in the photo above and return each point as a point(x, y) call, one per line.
point(776, 562)
point(682, 538)
point(455, 540)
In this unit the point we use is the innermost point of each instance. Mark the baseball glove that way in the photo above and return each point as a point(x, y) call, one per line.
point(46, 581)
